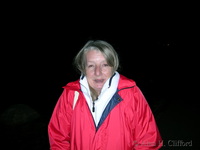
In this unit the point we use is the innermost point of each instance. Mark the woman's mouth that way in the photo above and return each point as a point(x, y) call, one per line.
point(99, 80)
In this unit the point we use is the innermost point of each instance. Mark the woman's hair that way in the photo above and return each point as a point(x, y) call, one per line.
point(107, 50)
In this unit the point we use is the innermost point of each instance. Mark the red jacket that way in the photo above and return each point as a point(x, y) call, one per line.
point(127, 122)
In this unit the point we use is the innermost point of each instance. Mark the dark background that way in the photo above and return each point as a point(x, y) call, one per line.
point(158, 48)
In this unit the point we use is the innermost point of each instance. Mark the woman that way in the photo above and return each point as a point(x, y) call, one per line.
point(103, 109)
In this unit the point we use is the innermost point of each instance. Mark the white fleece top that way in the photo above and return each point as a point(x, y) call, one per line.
point(104, 97)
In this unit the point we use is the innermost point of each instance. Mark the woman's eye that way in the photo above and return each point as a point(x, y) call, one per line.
point(105, 65)
point(89, 66)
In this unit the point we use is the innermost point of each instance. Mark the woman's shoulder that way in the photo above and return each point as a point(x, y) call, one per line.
point(125, 82)
point(72, 85)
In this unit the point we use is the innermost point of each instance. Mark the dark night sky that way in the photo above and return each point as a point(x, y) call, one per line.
point(39, 53)
point(157, 50)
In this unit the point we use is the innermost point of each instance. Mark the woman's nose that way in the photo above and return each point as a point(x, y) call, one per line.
point(98, 70)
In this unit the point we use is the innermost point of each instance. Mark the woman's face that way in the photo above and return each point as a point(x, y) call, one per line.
point(97, 70)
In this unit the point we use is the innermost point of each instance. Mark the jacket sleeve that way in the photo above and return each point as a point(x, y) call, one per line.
point(147, 136)
point(59, 124)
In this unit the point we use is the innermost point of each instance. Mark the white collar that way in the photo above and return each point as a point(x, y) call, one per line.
point(108, 90)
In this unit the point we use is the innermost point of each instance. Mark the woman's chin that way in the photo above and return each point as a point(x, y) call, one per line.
point(98, 87)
